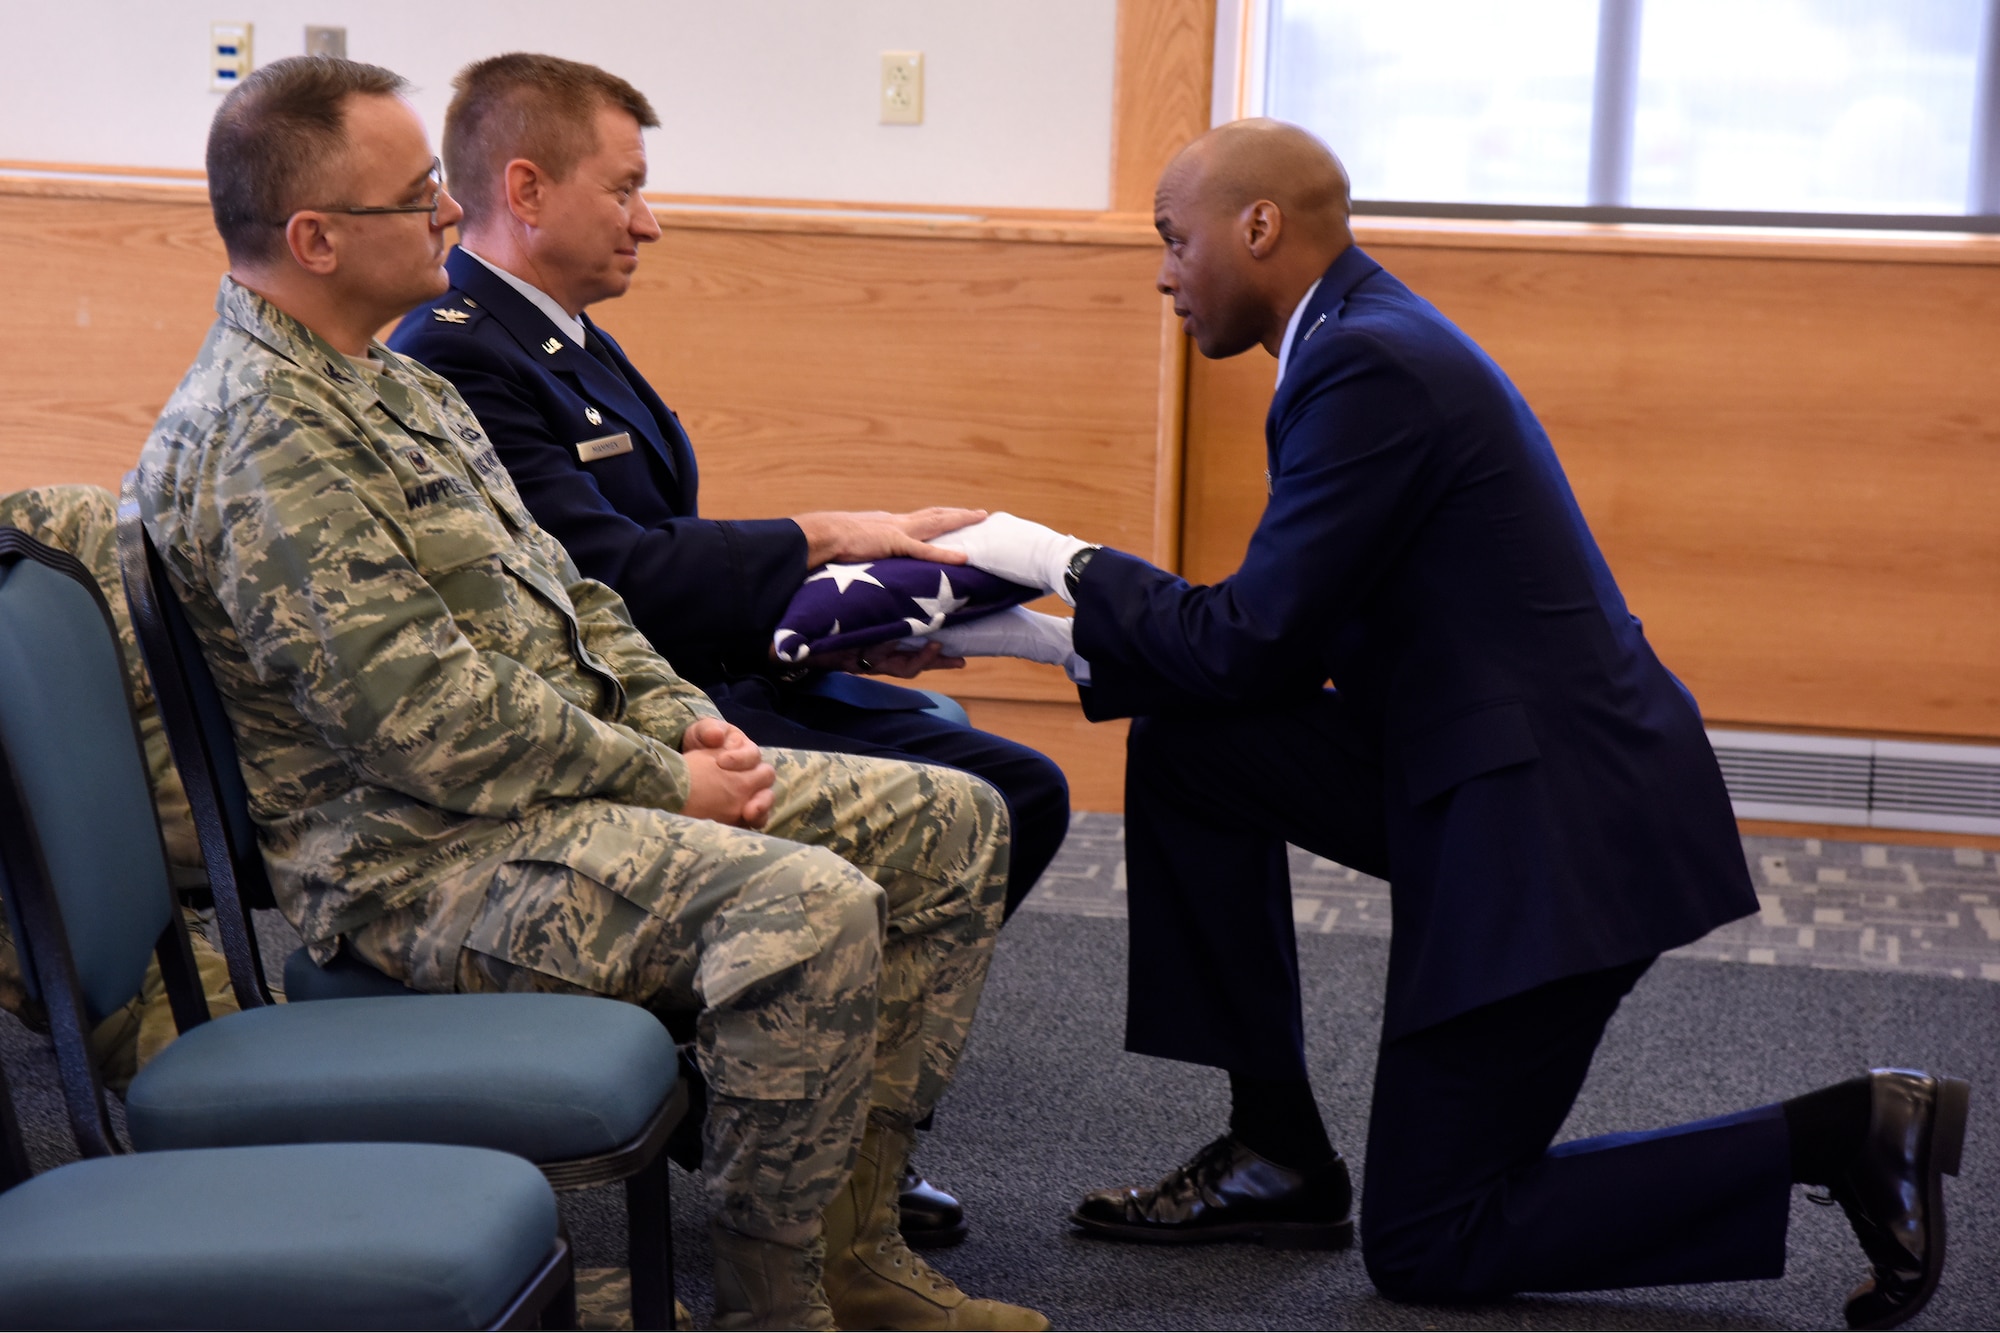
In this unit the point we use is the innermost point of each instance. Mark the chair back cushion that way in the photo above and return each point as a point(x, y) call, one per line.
point(67, 731)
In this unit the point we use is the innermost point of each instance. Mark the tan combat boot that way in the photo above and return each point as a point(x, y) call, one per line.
point(768, 1284)
point(872, 1278)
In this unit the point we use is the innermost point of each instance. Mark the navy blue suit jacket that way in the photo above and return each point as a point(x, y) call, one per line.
point(1552, 805)
point(706, 592)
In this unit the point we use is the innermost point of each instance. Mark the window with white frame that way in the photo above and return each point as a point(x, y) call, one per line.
point(1844, 112)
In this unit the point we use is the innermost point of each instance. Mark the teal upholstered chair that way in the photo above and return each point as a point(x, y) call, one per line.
point(322, 1235)
point(584, 1088)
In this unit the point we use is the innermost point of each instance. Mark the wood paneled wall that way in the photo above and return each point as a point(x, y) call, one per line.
point(897, 370)
point(108, 292)
point(1166, 59)
point(819, 362)
point(1789, 449)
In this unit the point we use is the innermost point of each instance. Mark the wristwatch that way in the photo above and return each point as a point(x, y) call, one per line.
point(1077, 564)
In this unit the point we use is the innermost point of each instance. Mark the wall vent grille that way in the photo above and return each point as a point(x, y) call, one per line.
point(1868, 783)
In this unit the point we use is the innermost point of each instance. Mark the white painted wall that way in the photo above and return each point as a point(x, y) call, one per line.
point(767, 98)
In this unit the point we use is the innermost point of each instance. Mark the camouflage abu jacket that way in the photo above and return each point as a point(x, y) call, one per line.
point(419, 679)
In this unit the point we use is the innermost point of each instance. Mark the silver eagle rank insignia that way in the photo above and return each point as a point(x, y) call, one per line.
point(447, 315)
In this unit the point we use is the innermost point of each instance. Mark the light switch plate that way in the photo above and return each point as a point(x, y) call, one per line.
point(323, 41)
point(902, 87)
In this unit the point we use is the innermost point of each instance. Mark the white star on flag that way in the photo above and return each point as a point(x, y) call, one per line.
point(842, 575)
point(939, 607)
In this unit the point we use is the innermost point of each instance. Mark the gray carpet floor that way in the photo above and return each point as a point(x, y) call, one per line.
point(1048, 1106)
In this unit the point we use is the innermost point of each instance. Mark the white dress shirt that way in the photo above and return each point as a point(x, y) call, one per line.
point(1291, 327)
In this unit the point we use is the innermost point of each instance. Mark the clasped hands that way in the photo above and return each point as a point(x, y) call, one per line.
point(728, 780)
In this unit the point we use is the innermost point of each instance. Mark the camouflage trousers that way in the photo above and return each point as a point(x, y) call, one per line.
point(834, 959)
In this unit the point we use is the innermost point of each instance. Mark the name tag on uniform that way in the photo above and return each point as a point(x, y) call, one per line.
point(604, 446)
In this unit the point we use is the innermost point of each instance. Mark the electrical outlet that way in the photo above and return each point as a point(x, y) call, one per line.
point(902, 87)
point(228, 55)
point(326, 41)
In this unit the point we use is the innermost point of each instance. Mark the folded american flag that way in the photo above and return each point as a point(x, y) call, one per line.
point(859, 606)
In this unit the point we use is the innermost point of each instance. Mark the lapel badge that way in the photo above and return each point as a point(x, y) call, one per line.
point(446, 315)
point(593, 416)
point(1311, 331)
point(474, 304)
point(552, 346)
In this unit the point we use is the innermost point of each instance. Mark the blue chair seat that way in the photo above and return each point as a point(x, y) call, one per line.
point(546, 1077)
point(329, 1235)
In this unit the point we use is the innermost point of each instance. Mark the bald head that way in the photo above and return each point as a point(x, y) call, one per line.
point(1236, 165)
point(1252, 213)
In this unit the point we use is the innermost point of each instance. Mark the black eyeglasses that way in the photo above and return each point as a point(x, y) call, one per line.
point(437, 194)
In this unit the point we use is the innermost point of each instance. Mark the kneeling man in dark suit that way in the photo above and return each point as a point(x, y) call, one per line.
point(1499, 742)
point(547, 157)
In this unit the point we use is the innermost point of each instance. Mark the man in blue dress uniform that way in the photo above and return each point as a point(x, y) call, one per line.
point(1499, 742)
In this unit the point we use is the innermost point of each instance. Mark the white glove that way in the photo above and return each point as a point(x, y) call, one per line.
point(1017, 632)
point(1014, 548)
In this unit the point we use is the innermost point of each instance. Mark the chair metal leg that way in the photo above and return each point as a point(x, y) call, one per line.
point(560, 1312)
point(667, 1243)
point(649, 1245)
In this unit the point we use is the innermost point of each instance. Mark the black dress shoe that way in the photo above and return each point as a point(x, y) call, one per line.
point(1893, 1193)
point(1229, 1193)
point(930, 1218)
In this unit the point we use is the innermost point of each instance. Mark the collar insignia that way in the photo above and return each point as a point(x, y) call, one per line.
point(593, 416)
point(446, 315)
point(552, 346)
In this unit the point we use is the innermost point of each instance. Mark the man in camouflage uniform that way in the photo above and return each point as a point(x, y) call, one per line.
point(468, 767)
point(83, 520)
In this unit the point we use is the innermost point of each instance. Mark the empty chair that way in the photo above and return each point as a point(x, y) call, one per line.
point(321, 1235)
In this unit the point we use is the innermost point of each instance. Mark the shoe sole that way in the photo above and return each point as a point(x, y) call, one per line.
point(1954, 1101)
point(1271, 1235)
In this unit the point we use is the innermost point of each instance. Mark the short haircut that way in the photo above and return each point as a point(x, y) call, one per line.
point(273, 139)
point(541, 108)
